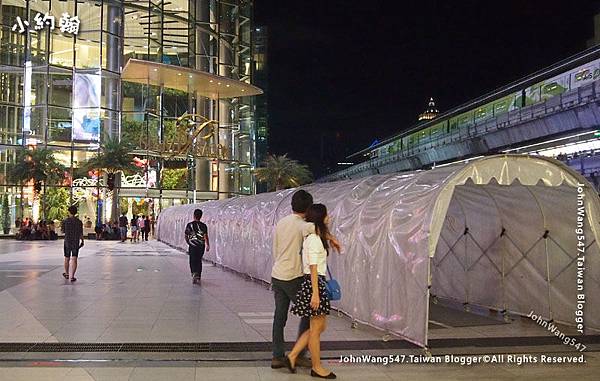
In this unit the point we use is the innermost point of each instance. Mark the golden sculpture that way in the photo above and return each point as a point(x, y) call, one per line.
point(193, 135)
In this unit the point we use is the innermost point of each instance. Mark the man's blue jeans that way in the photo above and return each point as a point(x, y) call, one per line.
point(284, 292)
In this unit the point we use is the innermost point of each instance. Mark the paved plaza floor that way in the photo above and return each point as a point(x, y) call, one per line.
point(130, 294)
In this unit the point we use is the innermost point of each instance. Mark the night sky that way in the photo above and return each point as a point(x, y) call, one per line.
point(344, 73)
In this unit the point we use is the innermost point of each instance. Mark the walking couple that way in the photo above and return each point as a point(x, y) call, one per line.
point(300, 247)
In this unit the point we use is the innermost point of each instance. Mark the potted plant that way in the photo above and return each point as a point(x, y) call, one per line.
point(5, 215)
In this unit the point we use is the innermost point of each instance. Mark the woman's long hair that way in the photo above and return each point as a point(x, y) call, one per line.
point(316, 214)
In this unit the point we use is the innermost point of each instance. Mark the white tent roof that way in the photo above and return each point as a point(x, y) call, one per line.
point(392, 225)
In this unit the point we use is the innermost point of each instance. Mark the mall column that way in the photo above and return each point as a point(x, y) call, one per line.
point(225, 110)
point(112, 83)
point(203, 105)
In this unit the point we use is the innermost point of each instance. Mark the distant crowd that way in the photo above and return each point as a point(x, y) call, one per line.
point(141, 227)
point(41, 230)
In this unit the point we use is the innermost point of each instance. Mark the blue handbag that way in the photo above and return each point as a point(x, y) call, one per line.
point(333, 287)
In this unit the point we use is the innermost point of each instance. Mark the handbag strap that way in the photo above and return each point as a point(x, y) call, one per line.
point(329, 272)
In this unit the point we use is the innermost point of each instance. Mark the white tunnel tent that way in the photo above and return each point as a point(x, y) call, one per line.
point(498, 232)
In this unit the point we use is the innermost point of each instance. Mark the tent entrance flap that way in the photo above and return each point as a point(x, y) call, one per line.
point(514, 248)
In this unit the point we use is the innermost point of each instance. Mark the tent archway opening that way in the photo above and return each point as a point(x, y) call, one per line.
point(512, 249)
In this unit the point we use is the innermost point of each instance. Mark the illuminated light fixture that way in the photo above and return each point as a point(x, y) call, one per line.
point(546, 142)
point(190, 76)
point(155, 69)
point(211, 81)
point(218, 83)
point(243, 90)
point(178, 73)
point(466, 161)
point(227, 85)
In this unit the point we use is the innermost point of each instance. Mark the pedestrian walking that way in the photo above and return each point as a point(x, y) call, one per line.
point(147, 227)
point(73, 229)
point(312, 300)
point(287, 276)
point(196, 236)
point(134, 229)
point(123, 227)
point(141, 226)
point(152, 223)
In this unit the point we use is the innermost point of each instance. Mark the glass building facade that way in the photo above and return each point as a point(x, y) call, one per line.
point(261, 79)
point(64, 86)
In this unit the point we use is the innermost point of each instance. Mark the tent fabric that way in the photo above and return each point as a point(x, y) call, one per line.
point(404, 233)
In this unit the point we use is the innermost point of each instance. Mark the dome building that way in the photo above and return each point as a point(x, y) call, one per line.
point(431, 111)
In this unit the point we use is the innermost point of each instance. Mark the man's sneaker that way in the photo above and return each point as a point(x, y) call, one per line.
point(303, 362)
point(278, 362)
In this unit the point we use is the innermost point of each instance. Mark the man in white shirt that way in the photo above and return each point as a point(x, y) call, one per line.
point(287, 273)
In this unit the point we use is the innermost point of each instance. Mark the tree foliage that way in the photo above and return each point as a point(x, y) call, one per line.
point(281, 172)
point(39, 165)
point(56, 203)
point(6, 223)
point(174, 178)
point(114, 156)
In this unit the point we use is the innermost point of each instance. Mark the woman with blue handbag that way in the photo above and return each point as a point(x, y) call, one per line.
point(313, 300)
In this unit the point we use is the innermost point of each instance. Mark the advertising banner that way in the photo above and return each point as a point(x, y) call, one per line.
point(86, 107)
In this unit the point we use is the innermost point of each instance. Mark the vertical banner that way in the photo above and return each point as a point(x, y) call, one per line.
point(86, 107)
point(27, 101)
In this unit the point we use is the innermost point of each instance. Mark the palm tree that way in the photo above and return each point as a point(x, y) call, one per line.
point(281, 172)
point(113, 158)
point(38, 165)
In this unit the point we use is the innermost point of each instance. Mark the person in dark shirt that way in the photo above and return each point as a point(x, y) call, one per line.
point(123, 227)
point(146, 227)
point(73, 229)
point(196, 236)
point(134, 228)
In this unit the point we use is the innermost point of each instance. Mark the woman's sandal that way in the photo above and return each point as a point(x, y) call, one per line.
point(65, 275)
point(288, 364)
point(73, 279)
point(330, 376)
